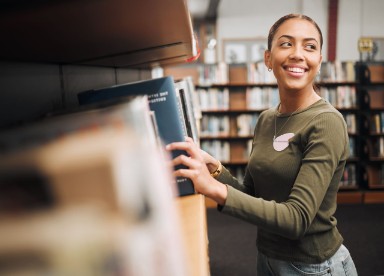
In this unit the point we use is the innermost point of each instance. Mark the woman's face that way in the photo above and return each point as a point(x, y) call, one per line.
point(295, 55)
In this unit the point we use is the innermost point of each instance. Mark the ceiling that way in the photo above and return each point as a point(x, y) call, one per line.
point(203, 9)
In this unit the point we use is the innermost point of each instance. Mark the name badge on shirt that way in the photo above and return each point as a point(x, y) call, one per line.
point(282, 142)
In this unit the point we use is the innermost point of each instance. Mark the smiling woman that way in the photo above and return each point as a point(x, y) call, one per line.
point(294, 55)
point(299, 151)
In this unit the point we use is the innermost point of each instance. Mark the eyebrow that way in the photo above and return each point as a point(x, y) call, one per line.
point(305, 39)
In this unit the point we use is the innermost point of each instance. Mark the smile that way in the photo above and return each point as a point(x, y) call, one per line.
point(295, 69)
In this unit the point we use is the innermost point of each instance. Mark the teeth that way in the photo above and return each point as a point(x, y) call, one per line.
point(296, 70)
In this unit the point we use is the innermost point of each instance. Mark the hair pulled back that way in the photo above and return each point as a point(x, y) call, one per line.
point(279, 22)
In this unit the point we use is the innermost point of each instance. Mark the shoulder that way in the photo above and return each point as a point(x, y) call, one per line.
point(323, 122)
point(324, 112)
point(323, 106)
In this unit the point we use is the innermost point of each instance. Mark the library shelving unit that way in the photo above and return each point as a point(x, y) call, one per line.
point(370, 76)
point(113, 34)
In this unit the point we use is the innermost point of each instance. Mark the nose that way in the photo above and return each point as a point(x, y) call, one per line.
point(297, 53)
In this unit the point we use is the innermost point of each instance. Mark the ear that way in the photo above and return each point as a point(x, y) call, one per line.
point(267, 58)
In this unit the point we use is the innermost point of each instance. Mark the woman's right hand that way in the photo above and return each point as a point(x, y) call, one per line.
point(197, 170)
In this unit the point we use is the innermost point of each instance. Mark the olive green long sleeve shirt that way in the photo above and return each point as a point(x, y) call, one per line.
point(291, 195)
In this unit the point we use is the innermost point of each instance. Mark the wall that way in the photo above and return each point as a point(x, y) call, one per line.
point(29, 90)
point(253, 18)
point(358, 18)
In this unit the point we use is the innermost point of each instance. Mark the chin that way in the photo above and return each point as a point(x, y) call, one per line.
point(295, 86)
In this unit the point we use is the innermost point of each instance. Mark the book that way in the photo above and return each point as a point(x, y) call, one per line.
point(187, 105)
point(163, 101)
point(107, 204)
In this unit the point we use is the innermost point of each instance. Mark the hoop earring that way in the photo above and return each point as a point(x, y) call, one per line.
point(269, 69)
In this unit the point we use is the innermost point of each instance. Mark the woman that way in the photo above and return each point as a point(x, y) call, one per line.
point(299, 152)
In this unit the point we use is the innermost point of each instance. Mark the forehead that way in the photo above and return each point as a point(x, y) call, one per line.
point(298, 28)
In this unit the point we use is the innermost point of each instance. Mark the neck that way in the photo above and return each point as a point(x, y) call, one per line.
point(295, 103)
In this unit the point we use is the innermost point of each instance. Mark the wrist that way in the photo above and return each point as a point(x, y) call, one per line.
point(221, 194)
point(219, 168)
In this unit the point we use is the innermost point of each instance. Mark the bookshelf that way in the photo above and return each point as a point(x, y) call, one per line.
point(246, 91)
point(371, 88)
point(56, 49)
point(113, 33)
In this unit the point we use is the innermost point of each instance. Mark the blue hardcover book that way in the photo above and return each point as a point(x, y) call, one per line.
point(162, 100)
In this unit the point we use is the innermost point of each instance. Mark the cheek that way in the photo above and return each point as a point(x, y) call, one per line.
point(314, 60)
point(277, 58)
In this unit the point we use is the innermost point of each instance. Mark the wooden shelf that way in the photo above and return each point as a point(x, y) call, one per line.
point(192, 215)
point(238, 85)
point(114, 33)
point(231, 111)
point(374, 197)
point(334, 83)
point(350, 197)
point(226, 137)
point(353, 187)
point(376, 159)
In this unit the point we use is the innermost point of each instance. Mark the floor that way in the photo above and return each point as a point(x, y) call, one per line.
point(232, 241)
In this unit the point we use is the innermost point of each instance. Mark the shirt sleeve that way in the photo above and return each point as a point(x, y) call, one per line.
point(245, 187)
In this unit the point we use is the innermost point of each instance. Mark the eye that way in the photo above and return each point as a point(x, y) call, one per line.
point(311, 46)
point(286, 44)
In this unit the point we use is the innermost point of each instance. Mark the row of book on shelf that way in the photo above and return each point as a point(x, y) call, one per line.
point(377, 147)
point(381, 175)
point(257, 72)
point(258, 98)
point(343, 96)
point(240, 125)
point(349, 177)
point(221, 149)
point(101, 173)
point(350, 120)
point(377, 123)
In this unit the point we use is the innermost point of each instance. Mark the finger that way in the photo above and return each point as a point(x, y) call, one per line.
point(186, 161)
point(183, 173)
point(189, 147)
point(188, 139)
point(177, 145)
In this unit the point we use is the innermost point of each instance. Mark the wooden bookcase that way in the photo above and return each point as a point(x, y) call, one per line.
point(112, 33)
point(371, 87)
point(62, 42)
